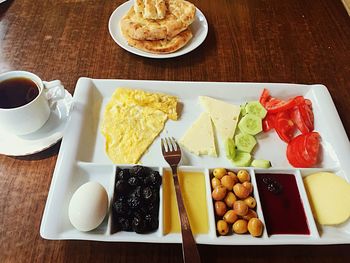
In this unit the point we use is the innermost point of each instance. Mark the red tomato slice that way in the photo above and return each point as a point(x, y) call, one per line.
point(303, 150)
point(293, 156)
point(308, 102)
point(265, 96)
point(303, 117)
point(276, 105)
point(297, 119)
point(268, 122)
point(284, 126)
point(307, 115)
point(311, 147)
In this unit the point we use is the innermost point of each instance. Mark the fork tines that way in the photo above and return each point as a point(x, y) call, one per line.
point(169, 144)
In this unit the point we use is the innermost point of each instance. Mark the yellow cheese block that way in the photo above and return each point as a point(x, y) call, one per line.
point(199, 138)
point(224, 115)
point(329, 197)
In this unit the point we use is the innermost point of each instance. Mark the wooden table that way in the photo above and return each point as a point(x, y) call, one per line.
point(249, 40)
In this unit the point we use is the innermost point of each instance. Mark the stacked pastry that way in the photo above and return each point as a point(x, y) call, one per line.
point(158, 26)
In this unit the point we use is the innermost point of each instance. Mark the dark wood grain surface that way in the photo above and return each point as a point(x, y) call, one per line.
point(300, 41)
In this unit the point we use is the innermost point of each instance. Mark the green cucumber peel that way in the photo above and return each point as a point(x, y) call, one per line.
point(242, 159)
point(250, 124)
point(245, 142)
point(230, 148)
point(261, 163)
point(255, 108)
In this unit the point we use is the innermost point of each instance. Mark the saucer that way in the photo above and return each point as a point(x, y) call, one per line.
point(46, 136)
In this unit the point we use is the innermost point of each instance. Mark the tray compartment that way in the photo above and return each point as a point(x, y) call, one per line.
point(233, 238)
point(80, 174)
point(329, 232)
point(119, 235)
point(190, 178)
point(295, 192)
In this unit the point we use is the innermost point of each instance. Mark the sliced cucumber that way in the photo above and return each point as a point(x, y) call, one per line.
point(245, 142)
point(243, 109)
point(250, 124)
point(255, 108)
point(242, 159)
point(261, 163)
point(230, 148)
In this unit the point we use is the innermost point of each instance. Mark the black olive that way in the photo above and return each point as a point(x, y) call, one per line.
point(138, 170)
point(134, 181)
point(139, 224)
point(123, 174)
point(151, 222)
point(124, 224)
point(120, 207)
point(153, 178)
point(134, 202)
point(122, 187)
point(137, 191)
point(148, 194)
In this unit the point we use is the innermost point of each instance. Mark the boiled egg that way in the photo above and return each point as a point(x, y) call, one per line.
point(88, 206)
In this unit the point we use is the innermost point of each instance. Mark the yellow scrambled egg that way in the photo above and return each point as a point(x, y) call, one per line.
point(163, 102)
point(132, 120)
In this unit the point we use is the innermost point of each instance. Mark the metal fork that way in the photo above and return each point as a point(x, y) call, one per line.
point(172, 154)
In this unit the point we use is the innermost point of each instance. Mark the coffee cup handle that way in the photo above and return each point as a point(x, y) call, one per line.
point(54, 91)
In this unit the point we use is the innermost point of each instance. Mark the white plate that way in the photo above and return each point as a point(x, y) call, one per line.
point(199, 30)
point(46, 136)
point(82, 157)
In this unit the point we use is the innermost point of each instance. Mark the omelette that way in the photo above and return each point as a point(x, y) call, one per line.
point(132, 120)
point(163, 102)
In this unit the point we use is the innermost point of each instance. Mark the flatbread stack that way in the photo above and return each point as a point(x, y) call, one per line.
point(158, 26)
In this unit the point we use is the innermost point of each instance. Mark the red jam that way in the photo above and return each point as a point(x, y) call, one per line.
point(281, 204)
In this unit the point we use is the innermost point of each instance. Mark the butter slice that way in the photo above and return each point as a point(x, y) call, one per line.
point(199, 138)
point(224, 115)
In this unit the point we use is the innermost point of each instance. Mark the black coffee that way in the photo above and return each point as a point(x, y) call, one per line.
point(17, 92)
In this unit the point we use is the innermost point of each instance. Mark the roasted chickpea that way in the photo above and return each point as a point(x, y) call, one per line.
point(255, 227)
point(243, 176)
point(250, 201)
point(215, 182)
point(251, 214)
point(234, 176)
point(228, 182)
point(240, 191)
point(240, 226)
point(230, 216)
point(219, 172)
point(220, 208)
point(230, 199)
point(222, 227)
point(219, 193)
point(249, 186)
point(240, 208)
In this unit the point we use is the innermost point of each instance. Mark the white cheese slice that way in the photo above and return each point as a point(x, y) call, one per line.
point(199, 138)
point(224, 115)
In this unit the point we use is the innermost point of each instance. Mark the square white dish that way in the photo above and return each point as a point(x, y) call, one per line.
point(82, 157)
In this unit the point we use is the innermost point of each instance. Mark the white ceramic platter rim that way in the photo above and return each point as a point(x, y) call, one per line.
point(199, 30)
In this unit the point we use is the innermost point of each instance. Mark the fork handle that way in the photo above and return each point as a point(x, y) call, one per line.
point(189, 246)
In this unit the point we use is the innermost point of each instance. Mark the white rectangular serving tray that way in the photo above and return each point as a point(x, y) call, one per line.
point(82, 158)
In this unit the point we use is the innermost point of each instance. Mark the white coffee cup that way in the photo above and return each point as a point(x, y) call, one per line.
point(29, 117)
